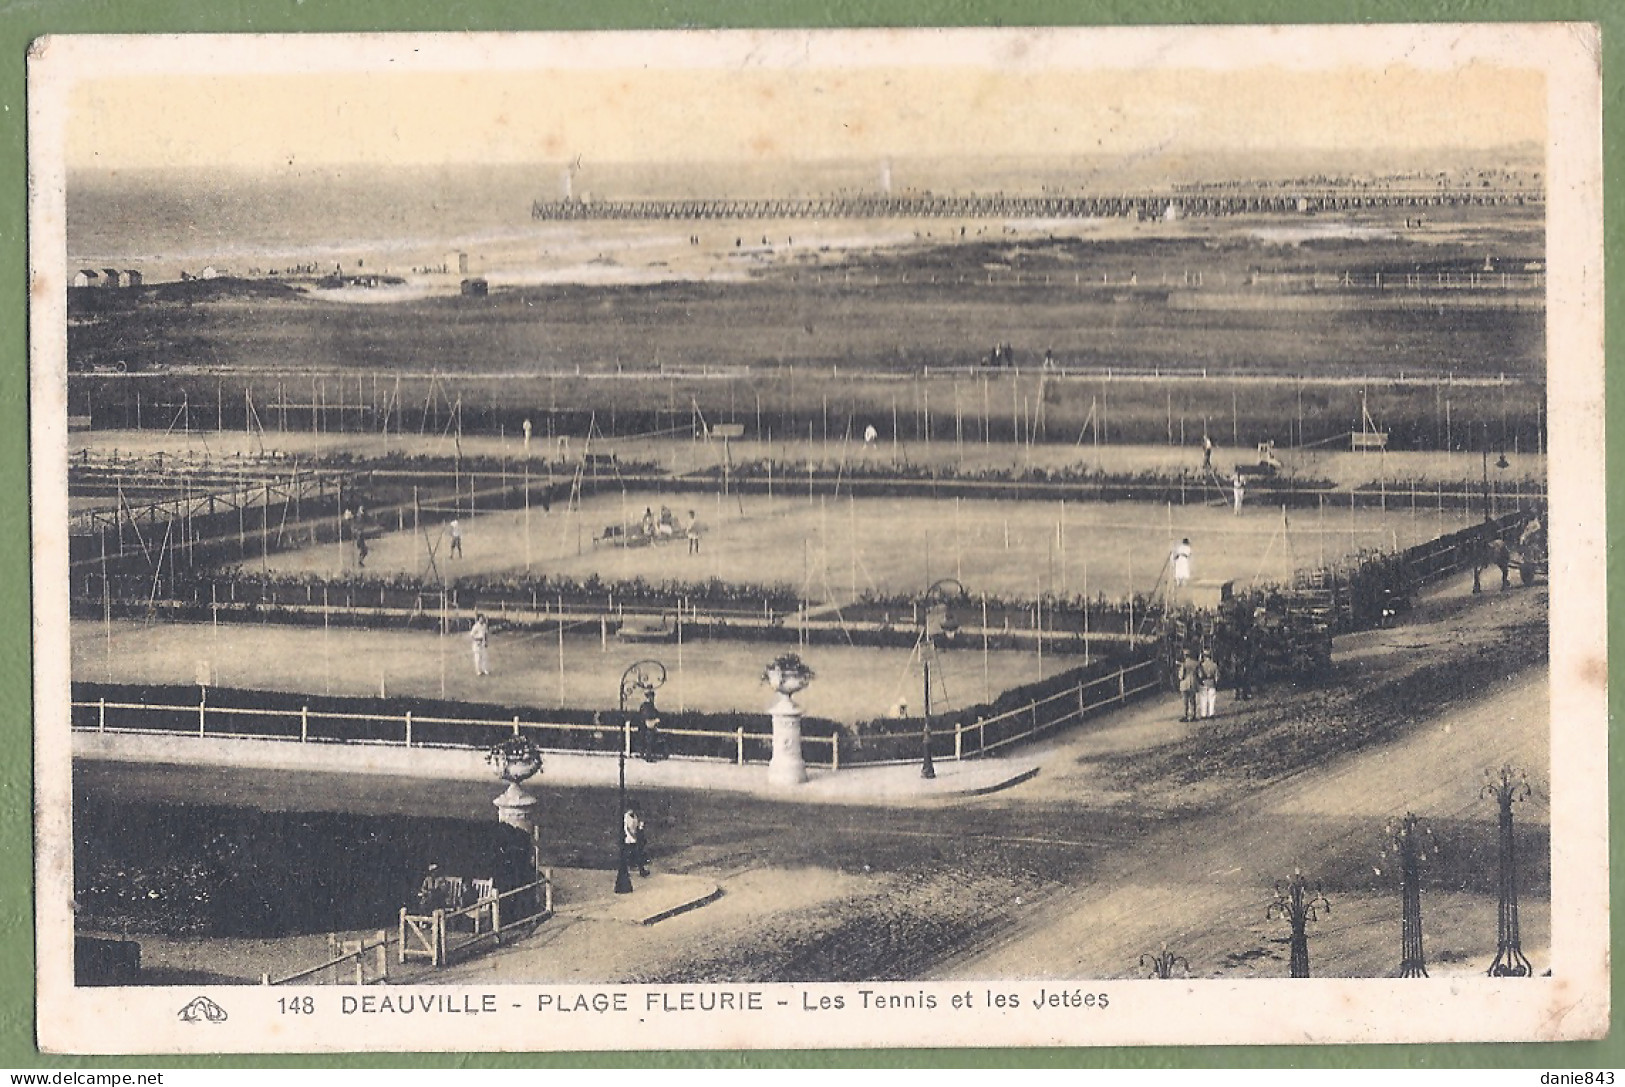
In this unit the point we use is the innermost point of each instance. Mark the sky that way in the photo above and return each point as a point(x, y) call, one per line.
point(260, 121)
point(275, 107)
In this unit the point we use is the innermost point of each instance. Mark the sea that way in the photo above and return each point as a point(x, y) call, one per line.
point(403, 219)
point(167, 221)
point(236, 218)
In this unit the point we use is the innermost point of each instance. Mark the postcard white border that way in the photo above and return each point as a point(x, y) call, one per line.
point(1574, 1003)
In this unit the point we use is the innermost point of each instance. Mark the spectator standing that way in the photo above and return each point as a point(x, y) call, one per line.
point(1238, 491)
point(692, 531)
point(479, 635)
point(455, 531)
point(1187, 685)
point(1207, 679)
point(1244, 663)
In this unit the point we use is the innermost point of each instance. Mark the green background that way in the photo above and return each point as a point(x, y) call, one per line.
point(21, 22)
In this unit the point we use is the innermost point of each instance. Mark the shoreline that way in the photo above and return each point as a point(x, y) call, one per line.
point(638, 252)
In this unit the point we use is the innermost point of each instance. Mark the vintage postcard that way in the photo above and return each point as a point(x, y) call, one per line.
point(802, 539)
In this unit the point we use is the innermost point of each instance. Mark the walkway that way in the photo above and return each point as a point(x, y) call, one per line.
point(328, 770)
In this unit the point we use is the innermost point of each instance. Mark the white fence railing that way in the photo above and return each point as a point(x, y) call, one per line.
point(307, 726)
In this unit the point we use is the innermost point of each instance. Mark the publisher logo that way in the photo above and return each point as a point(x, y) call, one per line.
point(202, 1010)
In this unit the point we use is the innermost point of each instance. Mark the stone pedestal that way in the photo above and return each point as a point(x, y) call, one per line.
point(517, 808)
point(787, 767)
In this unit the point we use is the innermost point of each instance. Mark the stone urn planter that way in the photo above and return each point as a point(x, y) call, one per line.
point(787, 674)
point(516, 761)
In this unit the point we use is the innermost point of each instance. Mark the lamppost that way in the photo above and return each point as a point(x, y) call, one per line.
point(1163, 964)
point(936, 592)
point(645, 676)
point(1295, 902)
point(1507, 787)
point(1501, 463)
point(1404, 839)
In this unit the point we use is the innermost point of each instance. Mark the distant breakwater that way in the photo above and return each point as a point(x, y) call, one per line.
point(1143, 206)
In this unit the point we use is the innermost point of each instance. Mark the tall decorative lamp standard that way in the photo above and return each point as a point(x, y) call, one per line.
point(1405, 842)
point(787, 674)
point(645, 676)
point(1507, 787)
point(936, 593)
point(1298, 903)
point(1164, 964)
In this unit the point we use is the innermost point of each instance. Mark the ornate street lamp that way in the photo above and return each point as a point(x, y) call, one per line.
point(1299, 905)
point(1405, 841)
point(936, 592)
point(1163, 964)
point(1507, 787)
point(1501, 463)
point(644, 676)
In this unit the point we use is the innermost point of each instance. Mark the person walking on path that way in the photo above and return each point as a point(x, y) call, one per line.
point(455, 531)
point(1181, 558)
point(632, 843)
point(1207, 679)
point(1238, 491)
point(479, 635)
point(1187, 685)
point(1207, 453)
point(360, 551)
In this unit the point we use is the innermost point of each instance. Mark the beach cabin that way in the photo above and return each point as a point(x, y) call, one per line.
point(87, 277)
point(112, 277)
point(457, 263)
point(211, 272)
point(132, 278)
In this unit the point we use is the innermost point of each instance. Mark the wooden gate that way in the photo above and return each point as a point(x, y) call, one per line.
point(423, 938)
